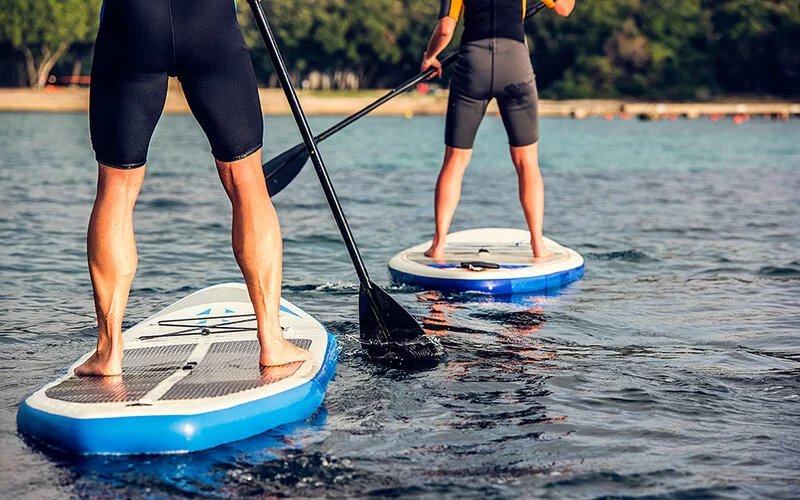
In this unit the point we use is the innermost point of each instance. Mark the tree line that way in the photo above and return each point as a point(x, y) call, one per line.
point(647, 49)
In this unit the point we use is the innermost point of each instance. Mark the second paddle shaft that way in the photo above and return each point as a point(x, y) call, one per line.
point(404, 87)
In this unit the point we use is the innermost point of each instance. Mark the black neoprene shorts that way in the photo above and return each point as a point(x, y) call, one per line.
point(492, 68)
point(140, 44)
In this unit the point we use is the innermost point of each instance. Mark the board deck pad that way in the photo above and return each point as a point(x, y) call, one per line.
point(228, 368)
point(508, 256)
point(191, 380)
point(142, 370)
point(490, 260)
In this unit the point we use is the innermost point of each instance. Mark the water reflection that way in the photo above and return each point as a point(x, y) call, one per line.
point(517, 333)
point(503, 370)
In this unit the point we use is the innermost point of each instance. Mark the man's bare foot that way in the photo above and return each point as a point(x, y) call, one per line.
point(279, 351)
point(272, 374)
point(540, 251)
point(101, 366)
point(435, 252)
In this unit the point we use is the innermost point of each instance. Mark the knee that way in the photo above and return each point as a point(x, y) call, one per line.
point(456, 160)
point(242, 182)
point(243, 176)
point(525, 157)
point(451, 169)
point(118, 186)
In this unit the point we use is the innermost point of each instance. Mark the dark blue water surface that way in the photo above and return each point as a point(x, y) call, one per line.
point(672, 368)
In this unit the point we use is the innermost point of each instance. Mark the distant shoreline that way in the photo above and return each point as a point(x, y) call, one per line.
point(68, 99)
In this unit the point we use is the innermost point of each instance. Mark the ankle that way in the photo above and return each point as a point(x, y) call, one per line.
point(274, 334)
point(109, 349)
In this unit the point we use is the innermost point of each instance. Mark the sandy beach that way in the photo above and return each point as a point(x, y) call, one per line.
point(273, 102)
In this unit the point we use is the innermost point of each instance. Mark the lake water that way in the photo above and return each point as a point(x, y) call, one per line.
point(672, 368)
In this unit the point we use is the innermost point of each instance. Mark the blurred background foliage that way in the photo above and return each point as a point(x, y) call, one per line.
point(642, 49)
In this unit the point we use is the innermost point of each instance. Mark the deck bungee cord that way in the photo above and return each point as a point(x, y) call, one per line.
point(204, 329)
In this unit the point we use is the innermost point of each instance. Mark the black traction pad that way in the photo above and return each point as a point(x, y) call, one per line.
point(228, 368)
point(142, 370)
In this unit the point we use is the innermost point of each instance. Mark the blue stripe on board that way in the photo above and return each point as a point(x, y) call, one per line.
point(453, 266)
point(286, 309)
point(179, 433)
point(493, 286)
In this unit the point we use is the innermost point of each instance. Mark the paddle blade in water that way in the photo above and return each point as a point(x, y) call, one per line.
point(407, 344)
point(282, 169)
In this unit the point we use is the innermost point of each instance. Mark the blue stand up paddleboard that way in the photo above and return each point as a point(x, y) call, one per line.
point(190, 381)
point(491, 260)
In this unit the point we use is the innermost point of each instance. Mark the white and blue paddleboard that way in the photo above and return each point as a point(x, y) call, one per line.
point(491, 260)
point(190, 381)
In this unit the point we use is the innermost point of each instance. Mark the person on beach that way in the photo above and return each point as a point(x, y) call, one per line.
point(139, 45)
point(494, 62)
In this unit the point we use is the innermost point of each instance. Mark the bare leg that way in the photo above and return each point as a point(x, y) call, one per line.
point(531, 193)
point(112, 256)
point(258, 248)
point(448, 192)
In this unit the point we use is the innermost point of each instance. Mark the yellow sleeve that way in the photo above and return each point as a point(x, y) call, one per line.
point(451, 8)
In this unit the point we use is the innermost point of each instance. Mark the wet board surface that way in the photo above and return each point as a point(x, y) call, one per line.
point(191, 380)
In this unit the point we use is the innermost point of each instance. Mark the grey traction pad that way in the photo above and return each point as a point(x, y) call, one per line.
point(509, 256)
point(142, 370)
point(228, 368)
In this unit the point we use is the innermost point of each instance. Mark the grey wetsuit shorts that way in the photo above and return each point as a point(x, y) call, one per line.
point(493, 68)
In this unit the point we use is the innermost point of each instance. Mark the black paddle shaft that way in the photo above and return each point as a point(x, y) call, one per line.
point(319, 166)
point(403, 87)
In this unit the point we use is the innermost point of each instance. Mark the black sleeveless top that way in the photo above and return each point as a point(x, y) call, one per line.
point(488, 18)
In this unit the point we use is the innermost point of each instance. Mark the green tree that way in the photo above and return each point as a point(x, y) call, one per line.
point(757, 48)
point(44, 30)
point(569, 55)
point(632, 48)
point(422, 17)
point(676, 49)
point(329, 35)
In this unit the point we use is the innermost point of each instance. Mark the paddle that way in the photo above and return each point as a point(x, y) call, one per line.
point(282, 169)
point(388, 332)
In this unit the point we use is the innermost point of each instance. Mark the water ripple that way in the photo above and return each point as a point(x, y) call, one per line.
point(671, 370)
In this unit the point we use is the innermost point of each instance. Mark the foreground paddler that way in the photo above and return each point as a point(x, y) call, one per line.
point(494, 62)
point(140, 44)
